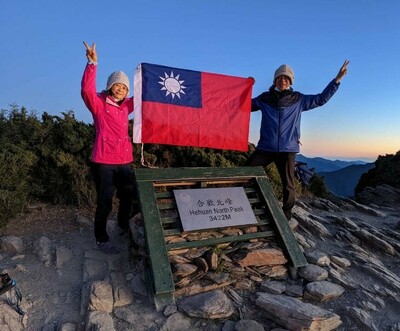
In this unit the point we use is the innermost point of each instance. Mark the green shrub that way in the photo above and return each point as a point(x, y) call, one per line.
point(15, 185)
point(46, 160)
point(318, 187)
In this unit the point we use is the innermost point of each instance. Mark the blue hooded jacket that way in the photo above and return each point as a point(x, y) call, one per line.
point(281, 115)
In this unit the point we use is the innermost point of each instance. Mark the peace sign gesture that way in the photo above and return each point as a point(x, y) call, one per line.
point(342, 72)
point(91, 53)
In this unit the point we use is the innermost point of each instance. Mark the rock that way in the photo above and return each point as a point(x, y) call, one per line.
point(343, 280)
point(190, 279)
point(184, 269)
point(276, 271)
point(17, 257)
point(217, 277)
point(305, 220)
point(294, 224)
point(382, 195)
point(273, 287)
point(178, 259)
point(246, 325)
point(261, 257)
point(122, 295)
point(229, 326)
point(312, 273)
point(118, 278)
point(303, 241)
point(101, 297)
point(235, 297)
point(169, 310)
point(99, 320)
point(194, 253)
point(362, 319)
point(63, 255)
point(11, 244)
point(44, 250)
point(296, 315)
point(365, 209)
point(68, 327)
point(295, 291)
point(211, 305)
point(83, 220)
point(139, 314)
point(376, 300)
point(341, 261)
point(323, 291)
point(244, 284)
point(137, 230)
point(94, 269)
point(324, 204)
point(395, 327)
point(371, 263)
point(317, 258)
point(375, 241)
point(9, 318)
point(176, 322)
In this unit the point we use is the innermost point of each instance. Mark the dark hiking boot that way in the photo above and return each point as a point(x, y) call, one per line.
point(288, 214)
point(107, 247)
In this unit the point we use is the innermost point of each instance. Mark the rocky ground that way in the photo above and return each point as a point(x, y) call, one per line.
point(352, 281)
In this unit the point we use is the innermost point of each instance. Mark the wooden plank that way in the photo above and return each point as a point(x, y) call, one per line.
point(170, 194)
point(174, 183)
point(157, 251)
point(284, 232)
point(222, 240)
point(177, 231)
point(176, 174)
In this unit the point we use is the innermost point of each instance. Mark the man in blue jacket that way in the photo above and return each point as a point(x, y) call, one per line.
point(281, 109)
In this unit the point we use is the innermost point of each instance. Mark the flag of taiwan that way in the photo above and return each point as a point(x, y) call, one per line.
point(191, 108)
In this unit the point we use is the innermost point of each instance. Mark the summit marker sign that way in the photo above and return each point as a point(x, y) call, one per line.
point(213, 208)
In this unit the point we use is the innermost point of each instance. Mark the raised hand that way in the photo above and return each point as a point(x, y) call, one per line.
point(91, 53)
point(342, 72)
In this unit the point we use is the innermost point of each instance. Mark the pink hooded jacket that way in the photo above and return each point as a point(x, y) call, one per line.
point(112, 144)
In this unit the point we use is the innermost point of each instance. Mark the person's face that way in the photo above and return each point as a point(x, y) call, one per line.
point(119, 91)
point(282, 82)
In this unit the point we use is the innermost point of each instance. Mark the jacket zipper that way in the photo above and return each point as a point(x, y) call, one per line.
point(279, 128)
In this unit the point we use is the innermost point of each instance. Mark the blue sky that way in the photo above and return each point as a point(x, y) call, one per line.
point(42, 57)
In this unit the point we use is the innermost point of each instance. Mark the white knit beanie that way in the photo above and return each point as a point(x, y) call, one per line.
point(285, 70)
point(117, 77)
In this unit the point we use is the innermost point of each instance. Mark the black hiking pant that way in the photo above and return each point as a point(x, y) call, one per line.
point(285, 163)
point(108, 178)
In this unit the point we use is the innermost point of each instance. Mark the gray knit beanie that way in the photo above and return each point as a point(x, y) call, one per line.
point(117, 77)
point(285, 70)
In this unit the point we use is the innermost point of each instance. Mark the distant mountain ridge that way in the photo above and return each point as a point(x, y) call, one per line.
point(324, 165)
point(340, 177)
point(344, 181)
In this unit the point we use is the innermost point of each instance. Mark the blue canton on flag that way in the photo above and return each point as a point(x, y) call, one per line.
point(171, 85)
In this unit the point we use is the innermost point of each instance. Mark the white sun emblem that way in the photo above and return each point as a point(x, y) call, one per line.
point(172, 85)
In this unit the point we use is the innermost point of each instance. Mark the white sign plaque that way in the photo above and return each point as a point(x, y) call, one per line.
point(209, 208)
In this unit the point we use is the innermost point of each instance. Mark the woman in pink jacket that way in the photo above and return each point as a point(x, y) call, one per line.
point(112, 150)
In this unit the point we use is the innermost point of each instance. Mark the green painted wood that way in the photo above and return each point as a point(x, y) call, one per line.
point(161, 300)
point(223, 240)
point(285, 233)
point(157, 251)
point(170, 220)
point(164, 195)
point(181, 174)
point(162, 281)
